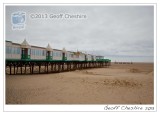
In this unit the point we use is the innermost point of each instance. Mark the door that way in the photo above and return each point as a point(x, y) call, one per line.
point(63, 56)
point(92, 58)
point(25, 53)
point(85, 57)
point(48, 55)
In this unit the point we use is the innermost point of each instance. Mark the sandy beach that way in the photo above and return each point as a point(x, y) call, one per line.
point(118, 84)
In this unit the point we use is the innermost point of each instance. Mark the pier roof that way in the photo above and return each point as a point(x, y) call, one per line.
point(25, 44)
point(49, 48)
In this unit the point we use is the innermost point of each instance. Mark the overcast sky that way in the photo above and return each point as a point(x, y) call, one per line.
point(106, 30)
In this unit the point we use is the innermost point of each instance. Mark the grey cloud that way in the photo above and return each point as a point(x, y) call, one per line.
point(108, 30)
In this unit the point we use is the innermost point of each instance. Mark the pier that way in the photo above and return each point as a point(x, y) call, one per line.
point(20, 67)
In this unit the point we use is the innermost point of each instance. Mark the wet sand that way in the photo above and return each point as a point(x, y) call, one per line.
point(118, 84)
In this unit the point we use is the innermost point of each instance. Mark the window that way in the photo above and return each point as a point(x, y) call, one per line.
point(59, 54)
point(7, 49)
point(13, 50)
point(38, 52)
point(44, 53)
point(18, 51)
point(10, 50)
point(56, 53)
point(52, 53)
point(32, 51)
point(29, 51)
point(68, 55)
point(72, 55)
point(77, 56)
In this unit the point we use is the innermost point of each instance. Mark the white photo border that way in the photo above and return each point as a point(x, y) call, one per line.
point(83, 107)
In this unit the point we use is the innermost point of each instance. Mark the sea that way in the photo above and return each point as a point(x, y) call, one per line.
point(149, 59)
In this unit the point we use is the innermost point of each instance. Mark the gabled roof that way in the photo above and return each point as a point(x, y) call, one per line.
point(25, 44)
point(63, 50)
point(49, 48)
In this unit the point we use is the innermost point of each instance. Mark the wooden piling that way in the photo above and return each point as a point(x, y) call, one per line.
point(36, 67)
